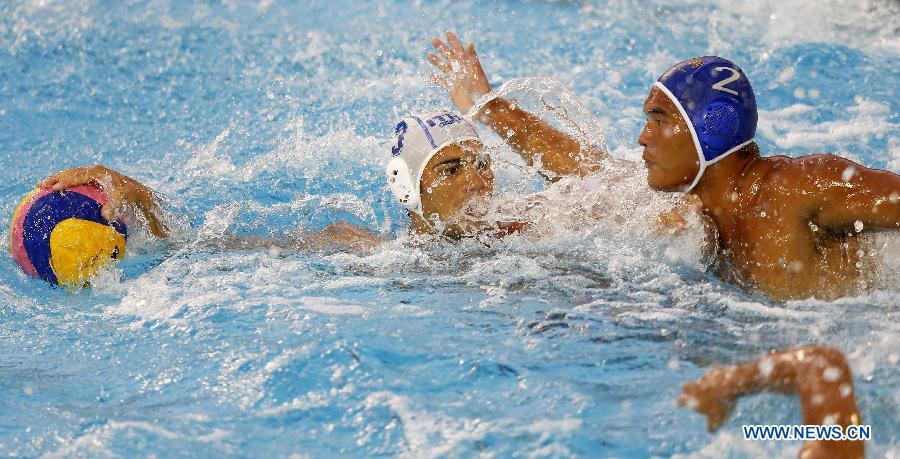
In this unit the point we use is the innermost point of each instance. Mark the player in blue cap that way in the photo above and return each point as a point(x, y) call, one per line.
point(787, 227)
point(716, 97)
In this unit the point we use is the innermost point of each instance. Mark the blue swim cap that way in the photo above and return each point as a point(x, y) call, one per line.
point(714, 96)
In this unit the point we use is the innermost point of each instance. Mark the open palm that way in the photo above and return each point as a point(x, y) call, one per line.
point(461, 72)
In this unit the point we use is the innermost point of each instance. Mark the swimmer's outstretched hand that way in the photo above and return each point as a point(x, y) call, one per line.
point(712, 395)
point(122, 193)
point(463, 77)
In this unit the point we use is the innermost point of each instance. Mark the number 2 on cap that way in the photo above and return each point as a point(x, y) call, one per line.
point(721, 85)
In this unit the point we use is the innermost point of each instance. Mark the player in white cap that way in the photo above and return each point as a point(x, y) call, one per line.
point(439, 173)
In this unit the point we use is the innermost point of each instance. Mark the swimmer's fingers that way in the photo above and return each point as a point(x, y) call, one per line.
point(717, 415)
point(455, 45)
point(683, 400)
point(692, 200)
point(472, 57)
point(439, 63)
point(441, 81)
point(442, 48)
point(688, 392)
point(112, 210)
point(56, 178)
point(70, 178)
point(473, 61)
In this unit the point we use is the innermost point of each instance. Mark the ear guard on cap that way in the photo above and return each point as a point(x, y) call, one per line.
point(719, 126)
point(400, 180)
point(716, 100)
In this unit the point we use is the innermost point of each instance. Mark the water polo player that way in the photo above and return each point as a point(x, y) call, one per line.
point(438, 172)
point(787, 227)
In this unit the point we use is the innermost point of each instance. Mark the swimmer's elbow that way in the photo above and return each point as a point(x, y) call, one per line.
point(826, 356)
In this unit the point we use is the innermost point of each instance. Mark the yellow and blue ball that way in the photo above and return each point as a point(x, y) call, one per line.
point(61, 237)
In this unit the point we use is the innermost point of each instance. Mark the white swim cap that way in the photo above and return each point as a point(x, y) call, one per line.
point(418, 139)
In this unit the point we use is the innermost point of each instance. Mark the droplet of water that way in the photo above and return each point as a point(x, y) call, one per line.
point(831, 374)
point(673, 364)
point(846, 390)
point(766, 366)
point(848, 173)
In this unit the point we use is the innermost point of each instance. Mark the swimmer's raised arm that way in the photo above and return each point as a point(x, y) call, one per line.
point(819, 375)
point(122, 192)
point(838, 193)
point(531, 137)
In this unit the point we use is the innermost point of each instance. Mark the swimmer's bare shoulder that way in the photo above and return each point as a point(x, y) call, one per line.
point(796, 217)
point(829, 191)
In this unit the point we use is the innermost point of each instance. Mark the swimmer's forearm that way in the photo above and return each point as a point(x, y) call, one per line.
point(870, 209)
point(334, 237)
point(146, 201)
point(819, 375)
point(340, 236)
point(531, 137)
point(821, 378)
point(774, 372)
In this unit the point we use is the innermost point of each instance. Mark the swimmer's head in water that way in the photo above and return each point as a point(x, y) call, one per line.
point(438, 172)
point(711, 104)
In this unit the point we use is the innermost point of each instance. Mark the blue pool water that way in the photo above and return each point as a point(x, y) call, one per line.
point(262, 118)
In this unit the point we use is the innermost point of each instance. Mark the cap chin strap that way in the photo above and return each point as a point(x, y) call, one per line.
point(704, 164)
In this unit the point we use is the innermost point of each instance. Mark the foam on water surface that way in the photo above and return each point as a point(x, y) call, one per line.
point(270, 118)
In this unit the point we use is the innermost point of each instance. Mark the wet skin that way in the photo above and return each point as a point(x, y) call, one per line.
point(787, 226)
point(456, 188)
point(819, 375)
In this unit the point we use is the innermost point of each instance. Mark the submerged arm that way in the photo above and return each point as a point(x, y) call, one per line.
point(341, 237)
point(819, 375)
point(531, 137)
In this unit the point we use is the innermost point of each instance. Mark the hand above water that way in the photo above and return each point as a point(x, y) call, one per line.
point(122, 193)
point(463, 77)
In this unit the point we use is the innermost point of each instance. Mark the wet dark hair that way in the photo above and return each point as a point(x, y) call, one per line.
point(749, 150)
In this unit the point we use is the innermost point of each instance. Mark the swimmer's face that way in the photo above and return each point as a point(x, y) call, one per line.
point(669, 152)
point(457, 185)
